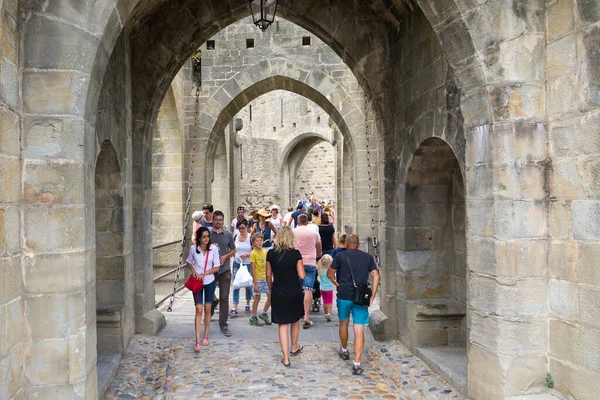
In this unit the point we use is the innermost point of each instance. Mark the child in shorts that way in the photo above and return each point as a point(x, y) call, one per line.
point(258, 261)
point(326, 285)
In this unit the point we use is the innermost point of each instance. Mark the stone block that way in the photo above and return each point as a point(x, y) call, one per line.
point(563, 259)
point(520, 219)
point(422, 215)
point(11, 374)
point(562, 54)
point(10, 179)
point(589, 307)
point(519, 141)
point(575, 344)
point(559, 219)
point(53, 183)
point(56, 228)
point(590, 171)
point(479, 182)
point(54, 92)
point(46, 362)
point(14, 323)
point(562, 95)
point(562, 299)
point(565, 180)
point(481, 218)
point(55, 273)
point(9, 133)
point(110, 292)
point(576, 137)
point(507, 336)
point(586, 215)
point(561, 19)
point(493, 376)
point(517, 101)
point(9, 88)
point(521, 59)
point(54, 316)
point(10, 279)
point(509, 297)
point(3, 330)
point(591, 80)
point(580, 383)
point(521, 258)
point(50, 44)
point(589, 11)
point(520, 182)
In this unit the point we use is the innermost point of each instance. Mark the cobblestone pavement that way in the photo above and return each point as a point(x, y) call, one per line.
point(247, 365)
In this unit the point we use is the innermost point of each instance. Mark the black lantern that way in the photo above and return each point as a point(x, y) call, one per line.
point(263, 12)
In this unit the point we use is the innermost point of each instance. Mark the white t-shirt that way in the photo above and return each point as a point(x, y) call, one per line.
point(234, 226)
point(198, 261)
point(313, 226)
point(276, 221)
point(288, 219)
point(244, 247)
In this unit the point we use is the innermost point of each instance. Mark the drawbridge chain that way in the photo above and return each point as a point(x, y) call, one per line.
point(370, 182)
point(186, 218)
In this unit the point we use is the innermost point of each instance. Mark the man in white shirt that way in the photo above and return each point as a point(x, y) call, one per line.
point(310, 224)
point(240, 215)
point(287, 218)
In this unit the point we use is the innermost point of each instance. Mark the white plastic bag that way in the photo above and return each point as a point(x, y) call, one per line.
point(242, 278)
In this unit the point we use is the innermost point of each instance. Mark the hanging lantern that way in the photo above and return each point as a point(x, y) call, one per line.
point(263, 12)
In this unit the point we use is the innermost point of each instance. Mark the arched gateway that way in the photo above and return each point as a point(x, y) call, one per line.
point(519, 80)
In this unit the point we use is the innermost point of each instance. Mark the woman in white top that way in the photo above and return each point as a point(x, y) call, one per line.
point(243, 248)
point(276, 217)
point(203, 262)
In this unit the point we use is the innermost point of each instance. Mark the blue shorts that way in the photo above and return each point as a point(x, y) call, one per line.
point(308, 282)
point(360, 314)
point(206, 294)
point(263, 287)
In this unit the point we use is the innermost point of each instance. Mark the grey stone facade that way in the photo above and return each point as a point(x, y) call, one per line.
point(510, 89)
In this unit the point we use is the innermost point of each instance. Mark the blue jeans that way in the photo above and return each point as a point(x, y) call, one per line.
point(236, 292)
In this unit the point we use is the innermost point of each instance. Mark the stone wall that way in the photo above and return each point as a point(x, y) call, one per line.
point(317, 173)
point(167, 172)
point(11, 303)
point(573, 73)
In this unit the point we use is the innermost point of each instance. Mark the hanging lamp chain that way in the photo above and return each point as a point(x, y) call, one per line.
point(374, 240)
point(186, 218)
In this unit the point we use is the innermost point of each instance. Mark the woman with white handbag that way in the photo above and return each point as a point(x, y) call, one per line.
point(242, 257)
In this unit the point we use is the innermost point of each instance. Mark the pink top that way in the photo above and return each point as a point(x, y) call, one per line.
point(195, 229)
point(306, 242)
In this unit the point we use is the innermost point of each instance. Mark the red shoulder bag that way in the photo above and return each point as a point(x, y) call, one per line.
point(195, 284)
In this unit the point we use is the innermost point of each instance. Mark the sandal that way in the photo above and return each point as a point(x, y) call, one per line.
point(205, 342)
point(197, 347)
point(307, 324)
point(286, 365)
point(295, 353)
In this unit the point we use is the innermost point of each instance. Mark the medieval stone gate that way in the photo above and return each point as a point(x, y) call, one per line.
point(510, 88)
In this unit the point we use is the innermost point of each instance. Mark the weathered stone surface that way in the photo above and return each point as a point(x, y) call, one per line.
point(9, 133)
point(581, 383)
point(55, 316)
point(586, 214)
point(10, 179)
point(563, 299)
point(512, 219)
point(572, 343)
point(53, 183)
point(561, 18)
point(54, 92)
point(53, 138)
point(588, 311)
point(511, 297)
point(55, 228)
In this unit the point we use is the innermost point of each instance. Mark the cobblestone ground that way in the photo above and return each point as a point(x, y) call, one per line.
point(247, 365)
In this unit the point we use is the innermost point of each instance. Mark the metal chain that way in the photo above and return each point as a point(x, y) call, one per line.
point(370, 180)
point(188, 202)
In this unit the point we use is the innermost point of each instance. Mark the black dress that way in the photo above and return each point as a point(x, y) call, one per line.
point(287, 297)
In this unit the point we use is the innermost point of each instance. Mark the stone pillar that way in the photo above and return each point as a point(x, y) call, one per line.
point(12, 379)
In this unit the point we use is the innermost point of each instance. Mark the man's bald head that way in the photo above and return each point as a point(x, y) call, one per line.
point(352, 241)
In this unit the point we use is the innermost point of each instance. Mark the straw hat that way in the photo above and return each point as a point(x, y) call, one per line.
point(197, 215)
point(262, 212)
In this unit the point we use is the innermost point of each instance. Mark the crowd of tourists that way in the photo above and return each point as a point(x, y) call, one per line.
point(288, 258)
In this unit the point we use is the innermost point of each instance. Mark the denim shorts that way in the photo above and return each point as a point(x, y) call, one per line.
point(360, 314)
point(308, 283)
point(263, 287)
point(206, 294)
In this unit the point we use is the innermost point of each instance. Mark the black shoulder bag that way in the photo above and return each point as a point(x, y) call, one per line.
point(362, 293)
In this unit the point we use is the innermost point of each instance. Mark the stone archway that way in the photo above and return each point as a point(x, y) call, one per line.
point(159, 36)
point(433, 262)
point(111, 315)
point(292, 156)
point(329, 95)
